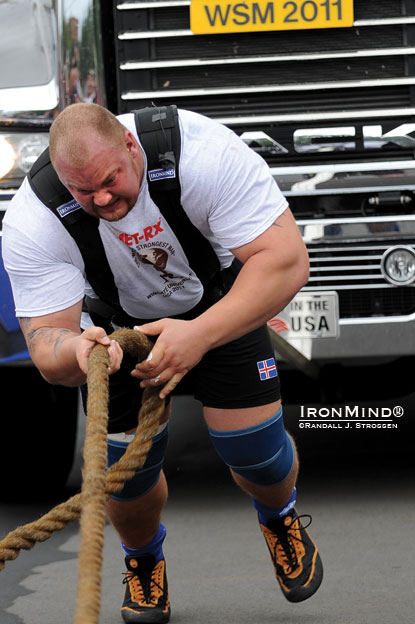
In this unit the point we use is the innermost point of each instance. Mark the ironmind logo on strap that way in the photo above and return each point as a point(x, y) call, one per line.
point(67, 208)
point(161, 174)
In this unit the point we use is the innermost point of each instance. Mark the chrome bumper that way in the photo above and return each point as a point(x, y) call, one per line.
point(362, 338)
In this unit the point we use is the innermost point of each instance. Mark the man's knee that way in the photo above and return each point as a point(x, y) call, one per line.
point(145, 478)
point(263, 454)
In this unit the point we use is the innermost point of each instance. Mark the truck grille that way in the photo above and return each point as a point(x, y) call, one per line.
point(269, 74)
point(373, 302)
point(275, 82)
point(353, 270)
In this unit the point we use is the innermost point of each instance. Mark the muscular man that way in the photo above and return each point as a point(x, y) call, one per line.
point(220, 343)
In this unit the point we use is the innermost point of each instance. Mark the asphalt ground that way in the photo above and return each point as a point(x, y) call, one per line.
point(358, 488)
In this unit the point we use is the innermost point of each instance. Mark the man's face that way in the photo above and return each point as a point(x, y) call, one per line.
point(108, 186)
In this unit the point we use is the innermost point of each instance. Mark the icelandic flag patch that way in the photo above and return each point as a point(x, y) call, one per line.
point(267, 369)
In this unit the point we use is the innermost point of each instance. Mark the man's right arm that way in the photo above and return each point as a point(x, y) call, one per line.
point(60, 350)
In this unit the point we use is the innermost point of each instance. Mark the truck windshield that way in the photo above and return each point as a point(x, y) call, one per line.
point(27, 43)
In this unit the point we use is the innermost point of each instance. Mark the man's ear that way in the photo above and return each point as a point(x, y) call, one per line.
point(131, 144)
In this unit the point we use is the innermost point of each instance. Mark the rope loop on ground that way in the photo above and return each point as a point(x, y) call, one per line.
point(98, 483)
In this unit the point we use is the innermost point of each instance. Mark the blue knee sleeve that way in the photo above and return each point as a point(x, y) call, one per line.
point(145, 478)
point(262, 454)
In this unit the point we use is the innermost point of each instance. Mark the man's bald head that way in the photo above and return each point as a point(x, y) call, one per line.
point(97, 159)
point(72, 128)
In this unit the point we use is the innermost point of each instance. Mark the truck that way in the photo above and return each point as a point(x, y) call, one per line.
point(323, 90)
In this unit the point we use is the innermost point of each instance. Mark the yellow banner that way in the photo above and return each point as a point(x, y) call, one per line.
point(227, 16)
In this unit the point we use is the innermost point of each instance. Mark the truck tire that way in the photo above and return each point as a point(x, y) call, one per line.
point(38, 432)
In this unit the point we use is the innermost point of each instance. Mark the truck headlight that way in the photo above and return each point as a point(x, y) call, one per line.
point(398, 265)
point(7, 157)
point(18, 152)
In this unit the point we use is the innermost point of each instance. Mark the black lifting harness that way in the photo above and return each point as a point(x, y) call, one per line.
point(159, 133)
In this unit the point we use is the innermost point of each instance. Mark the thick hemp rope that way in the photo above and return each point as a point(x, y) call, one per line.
point(98, 484)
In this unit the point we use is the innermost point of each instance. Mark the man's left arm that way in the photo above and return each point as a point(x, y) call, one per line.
point(275, 267)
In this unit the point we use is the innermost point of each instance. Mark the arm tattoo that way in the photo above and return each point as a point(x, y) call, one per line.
point(48, 335)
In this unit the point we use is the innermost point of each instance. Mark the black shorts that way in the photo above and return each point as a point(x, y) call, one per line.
point(239, 374)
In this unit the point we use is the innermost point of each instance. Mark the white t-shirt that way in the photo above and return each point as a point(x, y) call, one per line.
point(227, 192)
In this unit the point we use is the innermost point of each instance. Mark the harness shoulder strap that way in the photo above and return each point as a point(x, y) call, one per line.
point(159, 132)
point(81, 226)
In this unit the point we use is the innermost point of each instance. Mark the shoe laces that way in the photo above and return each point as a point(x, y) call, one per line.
point(288, 539)
point(142, 584)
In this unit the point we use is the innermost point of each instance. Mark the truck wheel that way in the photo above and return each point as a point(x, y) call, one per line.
point(38, 432)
